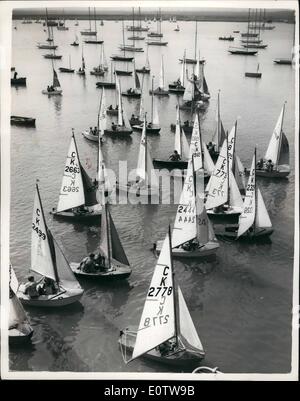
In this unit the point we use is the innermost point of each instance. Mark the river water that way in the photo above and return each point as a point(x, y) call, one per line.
point(240, 303)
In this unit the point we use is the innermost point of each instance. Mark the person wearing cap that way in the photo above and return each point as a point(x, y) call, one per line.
point(31, 288)
point(175, 156)
point(88, 264)
point(48, 286)
point(269, 165)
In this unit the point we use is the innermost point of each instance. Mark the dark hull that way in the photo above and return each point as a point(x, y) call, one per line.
point(243, 52)
point(74, 44)
point(282, 61)
point(52, 57)
point(119, 132)
point(121, 58)
point(253, 74)
point(148, 130)
point(186, 129)
point(62, 69)
point(107, 85)
point(112, 112)
point(94, 42)
point(134, 95)
point(18, 81)
point(97, 73)
point(143, 70)
point(169, 164)
point(121, 72)
point(231, 233)
point(230, 39)
point(136, 38)
point(24, 121)
point(192, 61)
point(89, 217)
point(156, 43)
point(254, 46)
point(157, 92)
point(119, 273)
point(155, 35)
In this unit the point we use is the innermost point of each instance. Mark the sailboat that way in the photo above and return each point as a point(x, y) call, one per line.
point(192, 96)
point(123, 129)
point(89, 32)
point(201, 81)
point(160, 91)
point(288, 61)
point(254, 221)
point(146, 68)
point(180, 145)
point(19, 328)
point(110, 84)
point(70, 69)
point(277, 152)
point(264, 24)
point(101, 121)
point(77, 197)
point(166, 332)
point(120, 57)
point(115, 264)
point(132, 48)
point(219, 134)
point(56, 88)
point(135, 91)
point(94, 41)
point(177, 29)
point(256, 44)
point(146, 183)
point(52, 55)
point(224, 201)
point(81, 70)
point(244, 50)
point(158, 34)
point(193, 235)
point(101, 69)
point(153, 127)
point(178, 86)
point(62, 24)
point(49, 39)
point(48, 260)
point(194, 60)
point(139, 27)
point(76, 42)
point(256, 74)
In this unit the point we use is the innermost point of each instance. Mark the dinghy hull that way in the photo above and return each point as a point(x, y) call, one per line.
point(90, 137)
point(118, 132)
point(20, 335)
point(93, 214)
point(52, 93)
point(169, 164)
point(206, 250)
point(118, 272)
point(231, 233)
point(230, 216)
point(271, 174)
point(181, 358)
point(49, 301)
point(152, 130)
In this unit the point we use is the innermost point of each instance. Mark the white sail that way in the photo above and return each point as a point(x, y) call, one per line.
point(155, 113)
point(177, 138)
point(125, 119)
point(217, 186)
point(17, 314)
point(262, 216)
point(141, 164)
point(182, 74)
point(185, 227)
point(72, 191)
point(273, 150)
point(239, 173)
point(161, 74)
point(209, 165)
point(196, 146)
point(235, 199)
point(102, 114)
point(103, 181)
point(142, 110)
point(231, 145)
point(204, 231)
point(13, 281)
point(120, 117)
point(187, 327)
point(41, 259)
point(247, 216)
point(157, 322)
point(198, 68)
point(189, 91)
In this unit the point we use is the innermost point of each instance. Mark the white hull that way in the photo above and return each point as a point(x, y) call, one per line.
point(90, 137)
point(180, 358)
point(92, 212)
point(117, 272)
point(210, 248)
point(52, 93)
point(59, 299)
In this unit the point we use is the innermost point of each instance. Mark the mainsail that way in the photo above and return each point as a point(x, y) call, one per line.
point(157, 322)
point(278, 149)
point(17, 314)
point(161, 74)
point(181, 143)
point(102, 114)
point(56, 83)
point(262, 216)
point(219, 133)
point(72, 192)
point(247, 217)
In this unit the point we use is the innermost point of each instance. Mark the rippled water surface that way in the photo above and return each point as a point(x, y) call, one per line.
point(241, 303)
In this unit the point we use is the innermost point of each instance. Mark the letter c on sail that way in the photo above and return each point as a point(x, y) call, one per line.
point(165, 273)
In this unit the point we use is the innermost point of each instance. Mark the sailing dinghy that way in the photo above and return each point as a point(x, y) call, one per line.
point(180, 145)
point(146, 183)
point(160, 91)
point(254, 221)
point(193, 235)
point(177, 87)
point(114, 262)
point(123, 129)
point(19, 329)
point(218, 136)
point(94, 135)
point(135, 91)
point(48, 260)
point(224, 201)
point(81, 70)
point(55, 89)
point(77, 197)
point(166, 333)
point(277, 152)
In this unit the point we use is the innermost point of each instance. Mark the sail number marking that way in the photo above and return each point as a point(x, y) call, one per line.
point(156, 320)
point(163, 291)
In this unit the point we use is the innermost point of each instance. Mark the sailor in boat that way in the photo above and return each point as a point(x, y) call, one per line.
point(260, 164)
point(15, 75)
point(175, 156)
point(110, 107)
point(167, 347)
point(269, 166)
point(130, 90)
point(91, 131)
point(47, 287)
point(191, 245)
point(95, 131)
point(113, 126)
point(88, 264)
point(31, 288)
point(211, 147)
point(80, 210)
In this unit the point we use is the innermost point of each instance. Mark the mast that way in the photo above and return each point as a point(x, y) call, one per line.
point(280, 136)
point(200, 136)
point(219, 122)
point(48, 28)
point(255, 191)
point(196, 34)
point(48, 231)
point(90, 19)
point(123, 36)
point(95, 21)
point(227, 158)
point(174, 291)
point(152, 102)
point(108, 234)
point(146, 148)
